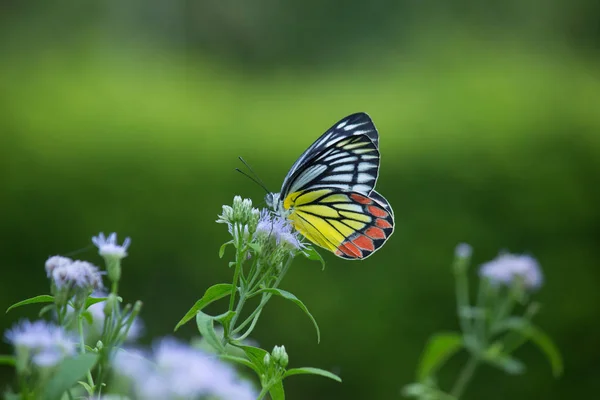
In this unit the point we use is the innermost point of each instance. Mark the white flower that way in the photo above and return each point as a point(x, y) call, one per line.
point(108, 247)
point(178, 371)
point(46, 343)
point(463, 250)
point(78, 275)
point(56, 262)
point(505, 268)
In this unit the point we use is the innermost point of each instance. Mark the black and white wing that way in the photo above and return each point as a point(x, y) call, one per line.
point(345, 157)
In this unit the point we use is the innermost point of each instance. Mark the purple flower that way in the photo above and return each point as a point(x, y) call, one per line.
point(506, 268)
point(176, 370)
point(47, 344)
point(78, 275)
point(279, 229)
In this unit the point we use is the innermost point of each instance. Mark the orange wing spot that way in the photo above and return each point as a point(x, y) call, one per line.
point(375, 233)
point(360, 199)
point(382, 223)
point(350, 250)
point(364, 243)
point(378, 212)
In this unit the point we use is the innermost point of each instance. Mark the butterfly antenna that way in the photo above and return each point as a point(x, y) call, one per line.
point(254, 178)
point(79, 251)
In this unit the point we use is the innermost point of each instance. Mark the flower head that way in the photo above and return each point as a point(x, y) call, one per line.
point(277, 229)
point(45, 344)
point(463, 250)
point(175, 370)
point(56, 262)
point(77, 275)
point(108, 247)
point(506, 268)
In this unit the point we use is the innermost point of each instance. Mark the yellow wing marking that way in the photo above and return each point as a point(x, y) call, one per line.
point(344, 229)
point(319, 209)
point(354, 224)
point(356, 216)
point(298, 198)
point(323, 227)
point(336, 198)
point(312, 233)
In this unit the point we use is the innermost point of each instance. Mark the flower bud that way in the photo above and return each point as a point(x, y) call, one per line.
point(267, 359)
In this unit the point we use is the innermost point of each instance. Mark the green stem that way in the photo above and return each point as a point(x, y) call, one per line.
point(82, 347)
point(251, 328)
point(481, 316)
point(115, 287)
point(263, 302)
point(263, 393)
point(465, 376)
point(238, 268)
point(462, 299)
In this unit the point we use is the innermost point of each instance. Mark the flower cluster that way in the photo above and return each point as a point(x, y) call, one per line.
point(175, 370)
point(241, 217)
point(508, 268)
point(72, 278)
point(42, 343)
point(276, 237)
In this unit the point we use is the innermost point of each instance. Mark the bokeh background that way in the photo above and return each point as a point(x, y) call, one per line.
point(129, 116)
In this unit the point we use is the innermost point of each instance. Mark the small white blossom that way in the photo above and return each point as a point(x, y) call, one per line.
point(463, 250)
point(56, 262)
point(108, 247)
point(505, 268)
point(242, 213)
point(46, 343)
point(176, 370)
point(77, 275)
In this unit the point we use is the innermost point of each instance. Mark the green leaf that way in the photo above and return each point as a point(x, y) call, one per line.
point(87, 387)
point(289, 296)
point(206, 327)
point(312, 371)
point(88, 317)
point(276, 391)
point(69, 372)
point(46, 308)
point(7, 360)
point(540, 339)
point(222, 248)
point(225, 318)
point(241, 361)
point(44, 298)
point(312, 254)
point(438, 350)
point(256, 356)
point(90, 301)
point(212, 294)
point(509, 364)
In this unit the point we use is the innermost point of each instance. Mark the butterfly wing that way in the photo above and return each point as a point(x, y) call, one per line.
point(346, 157)
point(350, 224)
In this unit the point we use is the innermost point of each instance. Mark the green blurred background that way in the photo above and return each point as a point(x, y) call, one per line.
point(129, 116)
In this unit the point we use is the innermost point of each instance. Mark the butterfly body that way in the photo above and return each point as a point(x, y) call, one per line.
point(328, 195)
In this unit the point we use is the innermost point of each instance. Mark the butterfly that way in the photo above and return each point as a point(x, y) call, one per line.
point(329, 193)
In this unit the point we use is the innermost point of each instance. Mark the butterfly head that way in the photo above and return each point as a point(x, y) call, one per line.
point(272, 200)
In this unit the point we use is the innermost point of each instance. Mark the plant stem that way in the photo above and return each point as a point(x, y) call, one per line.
point(82, 347)
point(462, 300)
point(262, 393)
point(465, 376)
